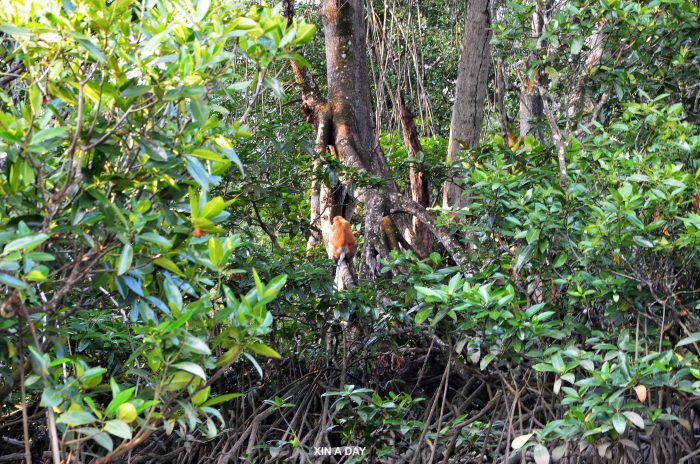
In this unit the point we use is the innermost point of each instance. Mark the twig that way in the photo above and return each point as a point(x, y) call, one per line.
point(50, 417)
point(419, 445)
point(25, 420)
point(442, 408)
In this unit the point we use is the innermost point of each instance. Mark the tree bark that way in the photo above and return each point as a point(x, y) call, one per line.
point(470, 92)
point(348, 78)
point(421, 237)
point(531, 105)
point(500, 84)
point(596, 43)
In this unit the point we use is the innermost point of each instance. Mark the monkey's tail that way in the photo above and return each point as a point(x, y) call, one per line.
point(341, 260)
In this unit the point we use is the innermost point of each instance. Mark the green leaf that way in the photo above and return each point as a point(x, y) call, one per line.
point(635, 418)
point(11, 281)
point(10, 29)
point(25, 244)
point(674, 183)
point(151, 44)
point(201, 396)
point(192, 368)
point(93, 408)
point(120, 398)
point(275, 285)
point(36, 275)
point(544, 367)
point(166, 263)
point(48, 134)
point(104, 440)
point(135, 91)
point(455, 282)
point(125, 259)
point(532, 235)
point(643, 242)
point(305, 33)
point(258, 283)
point(207, 155)
point(561, 259)
point(222, 399)
point(214, 207)
point(173, 294)
point(93, 50)
point(558, 362)
point(202, 8)
point(216, 251)
point(523, 257)
point(245, 23)
point(155, 150)
point(41, 358)
point(688, 340)
point(114, 386)
point(263, 350)
point(432, 295)
point(118, 428)
point(50, 398)
point(35, 98)
point(587, 364)
point(197, 345)
point(198, 172)
point(625, 191)
point(486, 360)
point(73, 418)
point(589, 382)
point(423, 314)
point(159, 240)
point(200, 111)
point(9, 265)
point(619, 423)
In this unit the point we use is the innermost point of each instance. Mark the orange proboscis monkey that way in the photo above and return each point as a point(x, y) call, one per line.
point(343, 243)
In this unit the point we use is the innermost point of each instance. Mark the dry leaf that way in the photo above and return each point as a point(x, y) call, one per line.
point(641, 392)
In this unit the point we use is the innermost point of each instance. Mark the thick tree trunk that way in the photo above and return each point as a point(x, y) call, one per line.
point(348, 78)
point(344, 127)
point(470, 92)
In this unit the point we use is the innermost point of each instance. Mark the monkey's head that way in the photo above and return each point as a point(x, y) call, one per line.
point(339, 219)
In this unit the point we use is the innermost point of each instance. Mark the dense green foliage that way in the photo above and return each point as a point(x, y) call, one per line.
point(583, 287)
point(113, 140)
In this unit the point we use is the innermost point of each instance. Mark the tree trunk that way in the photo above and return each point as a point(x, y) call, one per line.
point(348, 78)
point(500, 84)
point(470, 92)
point(344, 127)
point(530, 99)
point(420, 238)
point(596, 43)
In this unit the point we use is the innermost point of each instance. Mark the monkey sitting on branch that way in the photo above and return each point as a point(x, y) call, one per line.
point(343, 247)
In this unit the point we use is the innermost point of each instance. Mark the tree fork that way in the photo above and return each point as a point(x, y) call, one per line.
point(342, 123)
